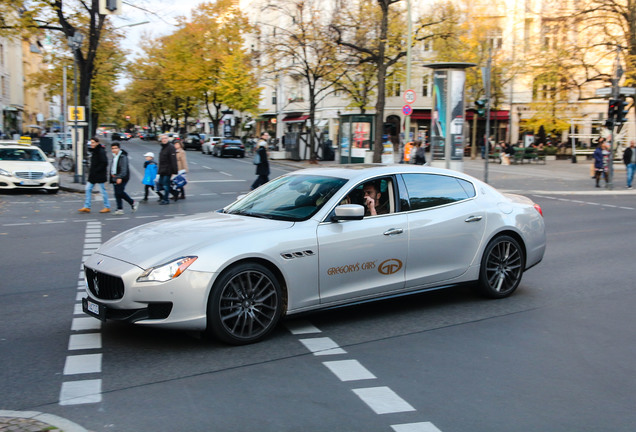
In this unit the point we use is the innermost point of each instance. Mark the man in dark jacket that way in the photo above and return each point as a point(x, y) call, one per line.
point(97, 174)
point(119, 176)
point(629, 157)
point(262, 167)
point(167, 167)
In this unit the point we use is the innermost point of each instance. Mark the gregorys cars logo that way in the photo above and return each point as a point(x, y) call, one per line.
point(390, 266)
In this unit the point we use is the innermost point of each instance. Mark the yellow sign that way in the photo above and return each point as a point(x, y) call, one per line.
point(76, 113)
point(25, 140)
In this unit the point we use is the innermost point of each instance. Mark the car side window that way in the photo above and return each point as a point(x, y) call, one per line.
point(380, 190)
point(432, 190)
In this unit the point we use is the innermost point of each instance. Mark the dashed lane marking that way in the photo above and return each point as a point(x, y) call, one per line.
point(383, 400)
point(415, 427)
point(322, 346)
point(85, 338)
point(349, 370)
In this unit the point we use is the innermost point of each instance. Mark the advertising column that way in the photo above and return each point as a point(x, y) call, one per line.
point(447, 115)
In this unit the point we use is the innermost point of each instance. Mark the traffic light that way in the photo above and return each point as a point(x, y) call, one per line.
point(612, 109)
point(621, 110)
point(481, 107)
point(110, 7)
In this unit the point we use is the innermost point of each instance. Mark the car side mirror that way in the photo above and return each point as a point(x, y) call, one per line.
point(348, 212)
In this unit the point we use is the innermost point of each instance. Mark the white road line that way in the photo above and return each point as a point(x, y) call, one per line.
point(81, 392)
point(82, 364)
point(217, 181)
point(349, 370)
point(85, 323)
point(301, 327)
point(383, 400)
point(415, 427)
point(322, 346)
point(226, 174)
point(79, 296)
point(85, 341)
point(77, 310)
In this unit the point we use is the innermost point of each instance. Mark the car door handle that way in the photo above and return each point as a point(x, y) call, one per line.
point(393, 231)
point(473, 218)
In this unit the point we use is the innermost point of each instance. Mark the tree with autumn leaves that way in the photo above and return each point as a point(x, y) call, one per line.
point(201, 66)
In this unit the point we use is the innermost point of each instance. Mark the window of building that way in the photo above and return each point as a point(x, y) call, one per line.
point(393, 86)
point(274, 97)
point(426, 82)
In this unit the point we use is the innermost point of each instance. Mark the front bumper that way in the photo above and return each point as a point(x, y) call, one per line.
point(112, 285)
point(10, 182)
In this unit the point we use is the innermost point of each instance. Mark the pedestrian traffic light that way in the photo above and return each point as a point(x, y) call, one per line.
point(612, 109)
point(481, 107)
point(110, 7)
point(621, 110)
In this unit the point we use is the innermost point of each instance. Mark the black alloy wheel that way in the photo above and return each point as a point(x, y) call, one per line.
point(501, 267)
point(245, 304)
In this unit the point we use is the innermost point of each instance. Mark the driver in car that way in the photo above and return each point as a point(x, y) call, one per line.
point(371, 198)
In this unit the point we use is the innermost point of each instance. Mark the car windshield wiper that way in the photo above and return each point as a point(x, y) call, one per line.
point(247, 213)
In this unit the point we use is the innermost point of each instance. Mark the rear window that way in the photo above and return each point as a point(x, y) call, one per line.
point(432, 190)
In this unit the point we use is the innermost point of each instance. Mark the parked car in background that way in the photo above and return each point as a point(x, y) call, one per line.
point(150, 136)
point(192, 141)
point(208, 144)
point(24, 166)
point(229, 147)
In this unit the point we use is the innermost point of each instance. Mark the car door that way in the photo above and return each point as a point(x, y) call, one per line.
point(445, 226)
point(360, 258)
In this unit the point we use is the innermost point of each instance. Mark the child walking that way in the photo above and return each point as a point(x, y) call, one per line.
point(150, 173)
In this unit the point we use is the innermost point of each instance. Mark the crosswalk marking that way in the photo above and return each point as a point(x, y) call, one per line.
point(383, 400)
point(322, 346)
point(349, 370)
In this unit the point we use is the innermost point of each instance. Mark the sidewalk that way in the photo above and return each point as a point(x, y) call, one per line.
point(33, 421)
point(559, 177)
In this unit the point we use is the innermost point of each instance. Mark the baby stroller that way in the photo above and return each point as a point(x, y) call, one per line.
point(178, 185)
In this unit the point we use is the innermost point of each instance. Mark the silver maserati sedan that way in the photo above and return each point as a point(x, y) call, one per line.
point(314, 239)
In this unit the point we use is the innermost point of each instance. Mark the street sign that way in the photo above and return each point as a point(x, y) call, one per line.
point(409, 96)
point(607, 91)
point(76, 113)
point(407, 110)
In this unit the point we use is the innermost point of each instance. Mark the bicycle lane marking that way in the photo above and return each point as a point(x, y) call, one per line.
point(85, 342)
point(381, 399)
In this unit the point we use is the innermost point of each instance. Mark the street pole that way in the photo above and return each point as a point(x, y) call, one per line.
point(76, 178)
point(64, 105)
point(486, 78)
point(407, 121)
point(618, 73)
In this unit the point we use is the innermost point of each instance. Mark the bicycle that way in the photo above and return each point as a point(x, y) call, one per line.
point(65, 162)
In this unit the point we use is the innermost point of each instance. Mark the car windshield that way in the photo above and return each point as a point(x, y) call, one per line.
point(290, 198)
point(21, 155)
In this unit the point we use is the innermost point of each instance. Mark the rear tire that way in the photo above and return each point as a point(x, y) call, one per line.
point(245, 304)
point(502, 267)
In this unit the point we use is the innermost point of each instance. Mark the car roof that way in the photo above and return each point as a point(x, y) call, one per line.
point(16, 144)
point(362, 171)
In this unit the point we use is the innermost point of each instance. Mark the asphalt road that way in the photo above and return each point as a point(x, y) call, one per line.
point(556, 356)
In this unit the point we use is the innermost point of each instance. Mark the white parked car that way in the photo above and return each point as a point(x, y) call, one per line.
point(315, 239)
point(23, 166)
point(208, 145)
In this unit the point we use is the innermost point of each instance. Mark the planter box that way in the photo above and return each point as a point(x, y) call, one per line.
point(550, 157)
point(276, 155)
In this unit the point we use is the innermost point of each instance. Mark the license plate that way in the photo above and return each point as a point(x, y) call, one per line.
point(94, 309)
point(29, 182)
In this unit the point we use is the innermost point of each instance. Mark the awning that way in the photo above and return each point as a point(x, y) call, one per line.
point(296, 119)
point(421, 115)
point(500, 115)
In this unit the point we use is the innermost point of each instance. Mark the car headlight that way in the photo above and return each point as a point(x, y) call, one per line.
point(51, 173)
point(167, 271)
point(5, 173)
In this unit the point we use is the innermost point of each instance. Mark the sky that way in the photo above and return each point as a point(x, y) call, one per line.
point(160, 14)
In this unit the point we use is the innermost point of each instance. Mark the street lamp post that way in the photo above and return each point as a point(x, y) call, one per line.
point(75, 42)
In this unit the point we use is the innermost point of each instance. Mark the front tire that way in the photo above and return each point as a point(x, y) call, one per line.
point(501, 267)
point(245, 304)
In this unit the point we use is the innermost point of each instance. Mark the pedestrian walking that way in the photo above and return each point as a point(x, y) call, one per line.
point(167, 167)
point(182, 167)
point(260, 160)
point(150, 174)
point(420, 153)
point(97, 175)
point(601, 160)
point(629, 158)
point(119, 176)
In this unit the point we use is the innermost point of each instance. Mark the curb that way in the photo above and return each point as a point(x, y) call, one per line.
point(32, 421)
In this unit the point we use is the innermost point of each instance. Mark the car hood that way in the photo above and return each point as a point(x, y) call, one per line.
point(13, 166)
point(159, 242)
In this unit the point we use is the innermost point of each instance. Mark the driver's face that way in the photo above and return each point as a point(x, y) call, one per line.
point(369, 191)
